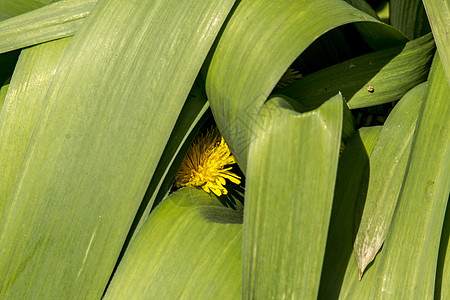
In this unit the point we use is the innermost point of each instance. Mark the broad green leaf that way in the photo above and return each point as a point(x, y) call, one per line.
point(48, 23)
point(289, 192)
point(189, 121)
point(352, 165)
point(259, 43)
point(409, 17)
point(189, 248)
point(33, 74)
point(11, 8)
point(387, 169)
point(110, 110)
point(438, 12)
point(412, 243)
point(391, 72)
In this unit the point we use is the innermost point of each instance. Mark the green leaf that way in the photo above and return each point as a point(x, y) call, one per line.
point(48, 23)
point(189, 248)
point(443, 269)
point(391, 72)
point(109, 112)
point(349, 181)
point(259, 43)
point(189, 121)
point(3, 90)
point(33, 74)
point(11, 8)
point(412, 243)
point(409, 17)
point(387, 169)
point(289, 192)
point(364, 6)
point(438, 12)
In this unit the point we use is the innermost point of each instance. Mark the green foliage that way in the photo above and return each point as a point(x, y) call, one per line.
point(93, 129)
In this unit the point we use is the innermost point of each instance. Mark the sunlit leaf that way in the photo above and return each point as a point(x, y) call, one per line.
point(390, 72)
point(290, 183)
point(260, 41)
point(438, 12)
point(189, 248)
point(33, 74)
point(407, 264)
point(387, 169)
point(110, 110)
point(48, 23)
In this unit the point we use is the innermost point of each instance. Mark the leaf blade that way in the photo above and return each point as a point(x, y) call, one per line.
point(418, 219)
point(289, 192)
point(98, 145)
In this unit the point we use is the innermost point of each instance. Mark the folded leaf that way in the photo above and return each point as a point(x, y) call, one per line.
point(259, 43)
point(391, 73)
point(412, 243)
point(387, 169)
point(189, 248)
point(110, 110)
point(289, 192)
point(48, 23)
point(33, 74)
point(350, 175)
point(439, 17)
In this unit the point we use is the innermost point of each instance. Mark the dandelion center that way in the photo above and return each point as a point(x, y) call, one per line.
point(207, 164)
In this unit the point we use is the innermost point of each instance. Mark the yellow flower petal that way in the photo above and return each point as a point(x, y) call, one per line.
point(206, 164)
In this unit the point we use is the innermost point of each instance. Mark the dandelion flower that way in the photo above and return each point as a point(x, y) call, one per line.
point(207, 164)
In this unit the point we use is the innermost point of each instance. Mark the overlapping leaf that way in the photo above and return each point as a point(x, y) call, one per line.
point(110, 110)
point(11, 8)
point(438, 13)
point(412, 243)
point(391, 73)
point(337, 268)
point(260, 41)
point(48, 23)
point(33, 74)
point(290, 183)
point(387, 169)
point(189, 248)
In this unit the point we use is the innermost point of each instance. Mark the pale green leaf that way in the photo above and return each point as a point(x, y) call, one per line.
point(289, 192)
point(189, 121)
point(260, 41)
point(110, 110)
point(412, 243)
point(189, 248)
point(387, 169)
point(438, 12)
point(33, 74)
point(391, 73)
point(48, 23)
